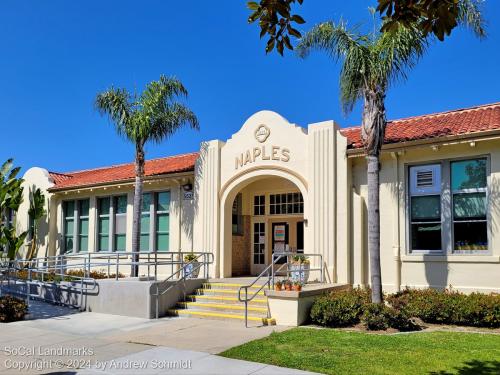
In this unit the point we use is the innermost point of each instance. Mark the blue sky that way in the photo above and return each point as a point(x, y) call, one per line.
point(57, 54)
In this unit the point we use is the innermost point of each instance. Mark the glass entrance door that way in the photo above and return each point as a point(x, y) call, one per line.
point(258, 248)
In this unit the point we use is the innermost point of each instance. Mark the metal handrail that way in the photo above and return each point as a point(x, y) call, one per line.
point(182, 271)
point(112, 261)
point(270, 271)
point(80, 284)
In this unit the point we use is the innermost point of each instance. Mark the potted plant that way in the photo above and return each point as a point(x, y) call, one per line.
point(288, 285)
point(297, 286)
point(278, 286)
point(192, 268)
point(300, 268)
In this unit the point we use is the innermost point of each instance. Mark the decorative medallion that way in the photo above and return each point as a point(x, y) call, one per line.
point(262, 133)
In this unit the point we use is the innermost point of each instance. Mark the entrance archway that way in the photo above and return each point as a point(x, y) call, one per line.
point(274, 183)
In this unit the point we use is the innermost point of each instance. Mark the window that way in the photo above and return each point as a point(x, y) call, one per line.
point(448, 207)
point(112, 223)
point(259, 243)
point(425, 207)
point(283, 204)
point(145, 222)
point(162, 221)
point(120, 212)
point(259, 205)
point(468, 188)
point(103, 227)
point(75, 225)
point(155, 222)
point(83, 225)
point(237, 218)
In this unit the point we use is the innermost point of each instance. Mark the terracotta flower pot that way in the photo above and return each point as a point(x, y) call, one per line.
point(288, 287)
point(297, 288)
point(278, 288)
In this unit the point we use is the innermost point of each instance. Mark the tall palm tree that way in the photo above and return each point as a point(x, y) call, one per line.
point(154, 115)
point(371, 63)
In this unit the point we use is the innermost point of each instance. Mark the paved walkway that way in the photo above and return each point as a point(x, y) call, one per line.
point(62, 340)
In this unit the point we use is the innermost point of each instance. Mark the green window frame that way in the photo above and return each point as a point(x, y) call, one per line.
point(112, 223)
point(75, 225)
point(155, 222)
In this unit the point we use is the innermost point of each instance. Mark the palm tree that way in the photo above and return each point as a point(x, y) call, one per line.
point(371, 63)
point(154, 115)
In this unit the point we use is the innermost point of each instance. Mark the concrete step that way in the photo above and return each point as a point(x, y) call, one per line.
point(220, 315)
point(234, 286)
point(222, 307)
point(228, 292)
point(225, 299)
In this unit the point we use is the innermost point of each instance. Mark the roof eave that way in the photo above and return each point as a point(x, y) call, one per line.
point(449, 139)
point(181, 173)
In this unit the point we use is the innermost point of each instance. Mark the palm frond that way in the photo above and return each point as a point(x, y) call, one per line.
point(470, 16)
point(339, 42)
point(116, 104)
point(169, 121)
point(395, 53)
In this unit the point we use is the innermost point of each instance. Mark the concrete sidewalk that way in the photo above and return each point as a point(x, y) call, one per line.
point(163, 360)
point(104, 340)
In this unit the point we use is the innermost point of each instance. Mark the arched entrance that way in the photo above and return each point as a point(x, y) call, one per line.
point(262, 210)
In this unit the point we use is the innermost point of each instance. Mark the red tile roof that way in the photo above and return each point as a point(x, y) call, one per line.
point(123, 172)
point(461, 121)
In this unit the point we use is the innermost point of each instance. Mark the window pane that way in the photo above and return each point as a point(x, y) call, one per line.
point(121, 204)
point(84, 207)
point(163, 201)
point(84, 243)
point(468, 174)
point(120, 224)
point(68, 245)
point(69, 209)
point(84, 226)
point(426, 208)
point(426, 236)
point(469, 206)
point(69, 227)
point(103, 225)
point(146, 202)
point(103, 206)
point(162, 241)
point(470, 235)
point(120, 243)
point(162, 223)
point(145, 224)
point(103, 242)
point(144, 245)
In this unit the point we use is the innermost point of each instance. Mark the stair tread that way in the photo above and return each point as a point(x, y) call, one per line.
point(234, 285)
point(215, 314)
point(225, 291)
point(221, 306)
point(224, 298)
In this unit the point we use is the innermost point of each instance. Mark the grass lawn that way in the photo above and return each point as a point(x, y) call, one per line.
point(332, 351)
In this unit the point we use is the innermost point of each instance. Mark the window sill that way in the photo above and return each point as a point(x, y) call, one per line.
point(451, 258)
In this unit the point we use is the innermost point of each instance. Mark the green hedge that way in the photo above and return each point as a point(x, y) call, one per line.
point(348, 308)
point(449, 307)
point(12, 309)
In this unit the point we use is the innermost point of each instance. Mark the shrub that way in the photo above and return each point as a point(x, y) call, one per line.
point(401, 321)
point(376, 316)
point(449, 307)
point(12, 309)
point(340, 309)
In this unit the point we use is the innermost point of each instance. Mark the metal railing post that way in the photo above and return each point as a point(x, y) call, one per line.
point(117, 266)
point(156, 266)
point(246, 307)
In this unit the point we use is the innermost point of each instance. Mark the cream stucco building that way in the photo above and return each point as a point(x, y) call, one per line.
point(277, 186)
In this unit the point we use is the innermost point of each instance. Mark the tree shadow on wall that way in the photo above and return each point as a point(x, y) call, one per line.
point(474, 367)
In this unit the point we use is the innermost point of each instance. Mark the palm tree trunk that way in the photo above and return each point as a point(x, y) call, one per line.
point(373, 131)
point(136, 223)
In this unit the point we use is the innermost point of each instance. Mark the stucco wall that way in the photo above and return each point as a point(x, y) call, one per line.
point(400, 268)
